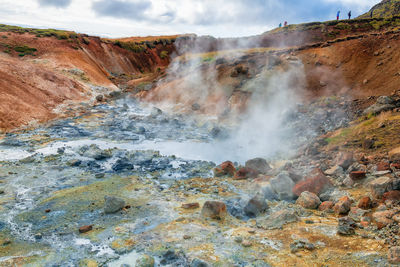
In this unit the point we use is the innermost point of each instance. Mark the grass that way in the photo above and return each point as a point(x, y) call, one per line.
point(164, 54)
point(59, 34)
point(25, 50)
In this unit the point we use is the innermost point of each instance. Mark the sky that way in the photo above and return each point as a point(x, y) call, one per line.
point(219, 18)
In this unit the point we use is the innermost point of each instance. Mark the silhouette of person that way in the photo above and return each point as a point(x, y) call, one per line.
point(280, 24)
point(372, 13)
point(349, 14)
point(338, 15)
point(285, 23)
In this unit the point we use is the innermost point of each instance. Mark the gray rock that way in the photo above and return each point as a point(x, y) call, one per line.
point(93, 151)
point(333, 194)
point(278, 219)
point(378, 108)
point(268, 193)
point(155, 112)
point(145, 261)
point(113, 204)
point(255, 206)
point(346, 226)
point(380, 186)
point(385, 100)
point(99, 98)
point(335, 171)
point(198, 263)
point(258, 164)
point(282, 185)
point(299, 245)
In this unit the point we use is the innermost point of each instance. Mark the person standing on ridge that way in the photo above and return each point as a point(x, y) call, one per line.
point(337, 15)
point(349, 14)
point(280, 25)
point(285, 23)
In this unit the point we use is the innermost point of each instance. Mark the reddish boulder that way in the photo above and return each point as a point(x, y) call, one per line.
point(383, 218)
point(395, 166)
point(383, 166)
point(86, 228)
point(226, 168)
point(357, 175)
point(326, 205)
point(214, 210)
point(391, 195)
point(317, 185)
point(246, 173)
point(365, 203)
point(345, 159)
point(308, 200)
point(343, 205)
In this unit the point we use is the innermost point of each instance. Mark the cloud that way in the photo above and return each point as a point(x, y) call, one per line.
point(133, 10)
point(55, 3)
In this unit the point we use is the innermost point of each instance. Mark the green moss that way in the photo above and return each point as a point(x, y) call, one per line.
point(164, 54)
point(24, 50)
point(342, 26)
point(344, 133)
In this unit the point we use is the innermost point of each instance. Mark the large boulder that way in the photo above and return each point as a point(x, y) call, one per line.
point(343, 206)
point(246, 173)
point(226, 168)
point(346, 226)
point(317, 185)
point(282, 185)
point(380, 186)
point(255, 206)
point(214, 210)
point(258, 164)
point(308, 200)
point(278, 219)
point(344, 159)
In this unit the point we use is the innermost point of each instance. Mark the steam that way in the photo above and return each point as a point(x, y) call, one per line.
point(254, 105)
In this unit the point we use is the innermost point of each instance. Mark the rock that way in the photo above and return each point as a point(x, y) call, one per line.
point(392, 195)
point(383, 166)
point(214, 210)
point(378, 108)
point(113, 204)
point(38, 236)
point(226, 168)
point(299, 245)
point(115, 93)
point(333, 194)
point(85, 229)
point(122, 164)
point(246, 244)
point(357, 175)
point(394, 255)
point(356, 213)
point(394, 155)
point(278, 219)
point(380, 186)
point(385, 100)
point(335, 171)
point(155, 112)
point(326, 205)
point(346, 226)
point(199, 263)
point(308, 200)
point(93, 151)
point(345, 159)
point(6, 242)
point(99, 98)
point(258, 164)
point(368, 143)
point(381, 173)
point(383, 218)
point(74, 162)
point(196, 107)
point(343, 205)
point(1, 191)
point(145, 261)
point(255, 206)
point(246, 173)
point(282, 186)
point(317, 185)
point(190, 206)
point(365, 203)
point(238, 239)
point(348, 182)
point(268, 194)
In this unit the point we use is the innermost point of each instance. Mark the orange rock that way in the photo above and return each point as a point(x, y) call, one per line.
point(316, 185)
point(246, 173)
point(191, 206)
point(226, 168)
point(391, 195)
point(326, 205)
point(214, 210)
point(383, 166)
point(365, 203)
point(343, 205)
point(86, 228)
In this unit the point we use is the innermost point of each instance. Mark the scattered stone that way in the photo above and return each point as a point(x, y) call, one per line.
point(190, 206)
point(299, 245)
point(317, 185)
point(214, 210)
point(381, 173)
point(383, 166)
point(47, 211)
point(246, 244)
point(392, 195)
point(246, 173)
point(346, 226)
point(199, 263)
point(186, 237)
point(394, 255)
point(278, 219)
point(145, 261)
point(365, 203)
point(356, 213)
point(333, 194)
point(348, 182)
point(196, 107)
point(345, 159)
point(255, 206)
point(1, 191)
point(113, 204)
point(258, 164)
point(99, 98)
point(238, 239)
point(282, 186)
point(383, 218)
point(74, 162)
point(99, 175)
point(38, 236)
point(6, 242)
point(385, 100)
point(368, 143)
point(85, 229)
point(226, 168)
point(155, 112)
point(335, 171)
point(326, 205)
point(308, 200)
point(343, 205)
point(357, 175)
point(394, 155)
point(380, 186)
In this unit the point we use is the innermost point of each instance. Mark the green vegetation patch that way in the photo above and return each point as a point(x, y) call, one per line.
point(25, 50)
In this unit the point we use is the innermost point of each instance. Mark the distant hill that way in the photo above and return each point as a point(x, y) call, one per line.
point(385, 9)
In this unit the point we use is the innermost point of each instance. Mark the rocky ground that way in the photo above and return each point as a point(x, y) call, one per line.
point(93, 190)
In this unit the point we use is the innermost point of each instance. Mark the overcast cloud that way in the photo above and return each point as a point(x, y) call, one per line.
point(220, 18)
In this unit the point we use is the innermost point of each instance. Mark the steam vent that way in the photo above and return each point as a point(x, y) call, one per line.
point(230, 134)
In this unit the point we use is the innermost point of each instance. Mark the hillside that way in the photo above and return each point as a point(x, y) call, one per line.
point(385, 9)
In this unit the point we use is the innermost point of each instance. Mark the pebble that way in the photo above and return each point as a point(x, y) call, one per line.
point(85, 229)
point(246, 244)
point(238, 239)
